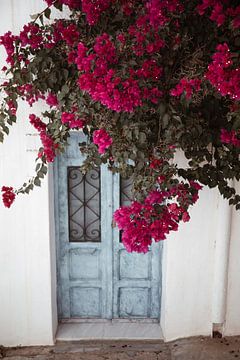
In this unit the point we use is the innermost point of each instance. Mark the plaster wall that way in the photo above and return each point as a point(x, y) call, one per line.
point(188, 259)
point(27, 280)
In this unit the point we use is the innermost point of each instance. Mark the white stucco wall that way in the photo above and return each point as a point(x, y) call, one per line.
point(27, 250)
point(27, 293)
point(188, 273)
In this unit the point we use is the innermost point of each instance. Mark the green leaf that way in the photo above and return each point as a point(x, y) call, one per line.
point(165, 120)
point(47, 13)
point(40, 174)
point(58, 6)
point(37, 167)
point(65, 74)
point(34, 16)
point(6, 129)
point(41, 19)
point(37, 181)
point(44, 169)
point(142, 137)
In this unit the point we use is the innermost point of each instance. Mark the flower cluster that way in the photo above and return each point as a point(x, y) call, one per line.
point(102, 139)
point(158, 11)
point(49, 147)
point(104, 84)
point(12, 107)
point(8, 40)
point(230, 137)
point(156, 217)
point(144, 37)
point(37, 123)
point(186, 86)
point(69, 34)
point(94, 8)
point(222, 75)
point(72, 4)
point(8, 196)
point(52, 100)
point(234, 13)
point(217, 10)
point(220, 12)
point(29, 93)
point(31, 35)
point(72, 120)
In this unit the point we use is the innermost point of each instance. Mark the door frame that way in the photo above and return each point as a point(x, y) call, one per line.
point(102, 322)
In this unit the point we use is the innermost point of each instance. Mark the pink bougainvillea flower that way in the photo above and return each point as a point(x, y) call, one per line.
point(102, 139)
point(8, 196)
point(156, 217)
point(72, 120)
point(70, 34)
point(12, 107)
point(229, 137)
point(94, 8)
point(37, 123)
point(72, 4)
point(52, 100)
point(187, 86)
point(8, 41)
point(49, 147)
point(221, 73)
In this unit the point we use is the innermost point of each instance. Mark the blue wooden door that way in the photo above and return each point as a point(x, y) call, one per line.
point(97, 278)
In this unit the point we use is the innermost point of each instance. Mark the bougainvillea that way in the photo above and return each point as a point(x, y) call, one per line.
point(141, 79)
point(8, 196)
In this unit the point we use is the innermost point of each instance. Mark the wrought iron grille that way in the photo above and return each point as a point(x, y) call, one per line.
point(84, 205)
point(125, 191)
point(125, 195)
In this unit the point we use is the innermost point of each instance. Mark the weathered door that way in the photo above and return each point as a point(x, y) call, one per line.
point(97, 278)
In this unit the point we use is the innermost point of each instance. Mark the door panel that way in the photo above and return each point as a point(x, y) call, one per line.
point(136, 276)
point(97, 278)
point(84, 284)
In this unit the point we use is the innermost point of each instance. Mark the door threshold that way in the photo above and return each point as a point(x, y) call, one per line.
point(109, 331)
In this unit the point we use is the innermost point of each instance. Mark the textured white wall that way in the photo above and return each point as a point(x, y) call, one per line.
point(26, 296)
point(196, 289)
point(188, 273)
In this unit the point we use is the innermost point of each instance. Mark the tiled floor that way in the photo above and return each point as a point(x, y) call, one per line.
point(108, 330)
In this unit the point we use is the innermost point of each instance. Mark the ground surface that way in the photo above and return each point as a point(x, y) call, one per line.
point(185, 349)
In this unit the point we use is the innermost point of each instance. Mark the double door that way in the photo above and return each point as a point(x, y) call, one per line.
point(97, 277)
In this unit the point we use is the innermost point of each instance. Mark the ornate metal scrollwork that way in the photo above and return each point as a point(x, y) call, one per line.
point(84, 205)
point(125, 195)
point(125, 191)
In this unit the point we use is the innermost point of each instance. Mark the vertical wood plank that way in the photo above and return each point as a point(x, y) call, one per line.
point(101, 279)
point(107, 245)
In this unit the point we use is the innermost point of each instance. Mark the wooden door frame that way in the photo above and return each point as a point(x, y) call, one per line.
point(114, 231)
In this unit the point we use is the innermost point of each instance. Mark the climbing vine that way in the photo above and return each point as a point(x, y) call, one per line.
point(141, 79)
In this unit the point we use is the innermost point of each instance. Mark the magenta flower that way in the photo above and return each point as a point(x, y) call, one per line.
point(8, 196)
point(102, 139)
point(52, 100)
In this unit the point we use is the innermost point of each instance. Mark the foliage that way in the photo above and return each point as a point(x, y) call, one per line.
point(142, 79)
